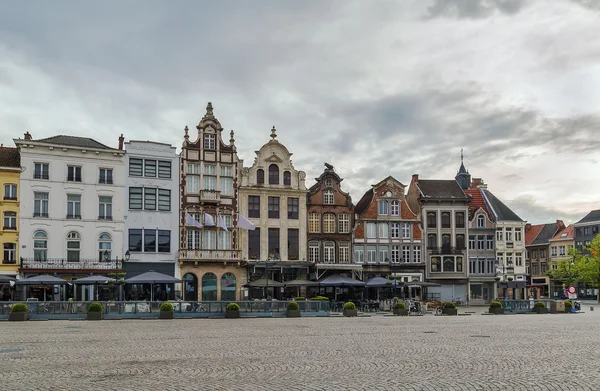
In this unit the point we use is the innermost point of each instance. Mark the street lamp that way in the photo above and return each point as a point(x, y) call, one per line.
point(271, 258)
point(127, 255)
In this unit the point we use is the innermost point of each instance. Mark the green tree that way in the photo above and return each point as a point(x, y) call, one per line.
point(588, 265)
point(566, 270)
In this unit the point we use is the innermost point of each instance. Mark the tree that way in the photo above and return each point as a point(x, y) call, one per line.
point(566, 270)
point(588, 265)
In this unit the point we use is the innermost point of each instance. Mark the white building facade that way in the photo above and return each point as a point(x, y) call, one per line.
point(151, 205)
point(71, 219)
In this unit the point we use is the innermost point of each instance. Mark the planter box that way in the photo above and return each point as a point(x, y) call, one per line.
point(165, 315)
point(232, 314)
point(293, 313)
point(94, 316)
point(543, 310)
point(496, 311)
point(450, 311)
point(350, 312)
point(18, 316)
point(401, 312)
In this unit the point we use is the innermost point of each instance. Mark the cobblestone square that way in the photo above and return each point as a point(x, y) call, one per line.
point(511, 352)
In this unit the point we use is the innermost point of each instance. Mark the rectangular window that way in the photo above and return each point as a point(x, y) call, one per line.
point(499, 236)
point(328, 197)
point(10, 253)
point(405, 253)
point(329, 252)
point(73, 173)
point(417, 254)
point(293, 244)
point(431, 220)
point(371, 254)
point(395, 208)
point(359, 255)
point(328, 223)
point(73, 206)
point(192, 184)
point(224, 239)
point(210, 177)
point(150, 168)
point(193, 239)
point(10, 192)
point(395, 254)
point(105, 176)
point(104, 208)
point(445, 219)
point(10, 220)
point(149, 198)
point(344, 250)
point(562, 250)
point(210, 141)
point(136, 167)
point(553, 251)
point(384, 230)
point(313, 251)
point(371, 230)
point(274, 208)
point(254, 244)
point(193, 168)
point(135, 240)
point(395, 231)
point(518, 259)
point(384, 254)
point(73, 249)
point(480, 242)
point(406, 230)
point(274, 242)
point(460, 241)
point(164, 241)
point(135, 197)
point(518, 235)
point(149, 240)
point(41, 171)
point(472, 245)
point(40, 204)
point(460, 219)
point(226, 181)
point(209, 239)
point(293, 208)
point(343, 223)
point(490, 242)
point(254, 206)
point(509, 234)
point(313, 222)
point(164, 200)
point(164, 169)
point(383, 207)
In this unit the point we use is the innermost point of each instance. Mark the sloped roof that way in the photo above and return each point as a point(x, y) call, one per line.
point(546, 233)
point(10, 157)
point(532, 233)
point(73, 141)
point(591, 217)
point(566, 233)
point(500, 210)
point(477, 202)
point(364, 202)
point(440, 189)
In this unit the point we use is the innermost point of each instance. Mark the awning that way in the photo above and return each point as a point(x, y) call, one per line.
point(300, 283)
point(338, 280)
point(152, 277)
point(379, 282)
point(44, 279)
point(262, 283)
point(93, 280)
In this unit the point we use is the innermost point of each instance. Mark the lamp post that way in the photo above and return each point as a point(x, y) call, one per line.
point(268, 264)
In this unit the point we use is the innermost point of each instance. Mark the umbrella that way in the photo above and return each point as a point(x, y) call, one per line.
point(152, 278)
point(340, 281)
point(44, 279)
point(378, 282)
point(421, 284)
point(262, 283)
point(5, 279)
point(300, 282)
point(92, 280)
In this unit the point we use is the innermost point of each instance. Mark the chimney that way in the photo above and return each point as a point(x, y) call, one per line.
point(28, 136)
point(560, 225)
point(121, 139)
point(476, 182)
point(527, 227)
point(415, 178)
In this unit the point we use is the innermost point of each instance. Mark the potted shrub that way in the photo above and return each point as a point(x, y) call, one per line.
point(509, 278)
point(94, 311)
point(166, 311)
point(18, 312)
point(400, 309)
point(497, 279)
point(496, 308)
point(568, 305)
point(293, 310)
point(450, 309)
point(232, 311)
point(540, 308)
point(350, 309)
point(322, 298)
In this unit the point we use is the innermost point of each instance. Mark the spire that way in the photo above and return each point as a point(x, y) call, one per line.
point(231, 139)
point(186, 136)
point(462, 169)
point(463, 177)
point(273, 133)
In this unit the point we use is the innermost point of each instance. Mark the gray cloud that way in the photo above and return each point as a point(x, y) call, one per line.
point(528, 208)
point(474, 9)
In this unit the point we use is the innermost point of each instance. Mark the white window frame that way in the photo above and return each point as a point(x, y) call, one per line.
point(104, 244)
point(40, 245)
point(209, 141)
point(383, 230)
point(553, 251)
point(328, 197)
point(395, 230)
point(314, 222)
point(417, 254)
point(226, 180)
point(406, 253)
point(518, 235)
point(73, 253)
point(395, 208)
point(395, 254)
point(328, 223)
point(383, 207)
point(10, 191)
point(313, 251)
point(105, 207)
point(328, 252)
point(472, 242)
point(209, 177)
point(406, 230)
point(44, 170)
point(344, 252)
point(371, 254)
point(343, 223)
point(371, 229)
point(10, 220)
point(359, 254)
point(74, 206)
point(480, 221)
point(384, 253)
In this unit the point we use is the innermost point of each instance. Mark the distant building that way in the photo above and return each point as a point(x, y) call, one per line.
point(560, 245)
point(586, 230)
point(537, 243)
point(10, 170)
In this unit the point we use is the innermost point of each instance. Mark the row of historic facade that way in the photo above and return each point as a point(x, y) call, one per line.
point(73, 206)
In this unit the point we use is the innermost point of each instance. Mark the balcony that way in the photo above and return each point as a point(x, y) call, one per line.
point(107, 218)
point(210, 255)
point(105, 181)
point(64, 264)
point(40, 214)
point(210, 196)
point(446, 250)
point(72, 216)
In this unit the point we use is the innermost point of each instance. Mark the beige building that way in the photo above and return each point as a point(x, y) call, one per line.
point(272, 195)
point(560, 244)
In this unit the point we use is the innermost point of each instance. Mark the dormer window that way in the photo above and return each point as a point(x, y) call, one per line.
point(395, 208)
point(287, 178)
point(480, 221)
point(328, 198)
point(260, 176)
point(273, 174)
point(210, 141)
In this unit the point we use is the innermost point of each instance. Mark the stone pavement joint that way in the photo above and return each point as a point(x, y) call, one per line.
point(528, 352)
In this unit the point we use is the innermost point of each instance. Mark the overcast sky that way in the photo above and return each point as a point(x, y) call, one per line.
point(375, 88)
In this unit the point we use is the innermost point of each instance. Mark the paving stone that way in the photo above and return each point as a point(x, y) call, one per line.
point(545, 352)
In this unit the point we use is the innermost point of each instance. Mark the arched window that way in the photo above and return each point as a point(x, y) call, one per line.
point(480, 221)
point(209, 287)
point(329, 223)
point(228, 287)
point(104, 247)
point(73, 246)
point(40, 246)
point(287, 178)
point(260, 176)
point(190, 288)
point(313, 222)
point(273, 174)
